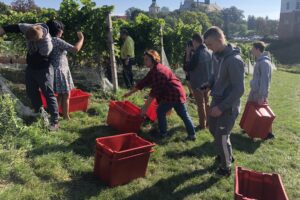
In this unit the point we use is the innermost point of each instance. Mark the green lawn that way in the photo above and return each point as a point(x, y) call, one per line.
point(40, 165)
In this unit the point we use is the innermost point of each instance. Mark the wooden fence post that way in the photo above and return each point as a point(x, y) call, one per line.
point(113, 63)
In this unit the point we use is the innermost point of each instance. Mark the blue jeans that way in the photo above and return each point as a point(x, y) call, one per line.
point(181, 111)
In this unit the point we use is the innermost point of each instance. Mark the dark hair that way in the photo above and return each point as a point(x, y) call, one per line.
point(215, 32)
point(261, 46)
point(54, 27)
point(124, 32)
point(198, 38)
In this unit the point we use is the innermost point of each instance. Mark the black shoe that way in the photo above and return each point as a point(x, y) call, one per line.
point(270, 136)
point(199, 128)
point(190, 138)
point(224, 172)
point(218, 159)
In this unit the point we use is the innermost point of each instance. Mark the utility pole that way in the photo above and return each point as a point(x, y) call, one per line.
point(113, 63)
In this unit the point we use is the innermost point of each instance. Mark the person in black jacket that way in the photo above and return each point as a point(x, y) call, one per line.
point(39, 72)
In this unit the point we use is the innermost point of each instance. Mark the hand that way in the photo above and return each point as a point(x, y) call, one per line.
point(215, 112)
point(2, 32)
point(80, 35)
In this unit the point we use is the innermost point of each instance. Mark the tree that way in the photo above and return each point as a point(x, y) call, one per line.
point(4, 9)
point(24, 5)
point(132, 13)
point(165, 10)
point(233, 20)
point(251, 22)
point(195, 18)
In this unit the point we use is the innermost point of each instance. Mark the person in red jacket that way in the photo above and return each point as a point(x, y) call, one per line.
point(168, 91)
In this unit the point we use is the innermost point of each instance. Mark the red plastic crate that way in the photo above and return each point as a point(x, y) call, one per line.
point(151, 112)
point(79, 101)
point(122, 158)
point(251, 185)
point(124, 116)
point(257, 120)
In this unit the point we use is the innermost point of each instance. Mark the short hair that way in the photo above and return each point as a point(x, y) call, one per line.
point(34, 33)
point(261, 46)
point(154, 55)
point(55, 27)
point(197, 37)
point(214, 32)
point(124, 32)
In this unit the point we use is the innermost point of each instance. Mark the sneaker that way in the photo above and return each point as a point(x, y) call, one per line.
point(44, 115)
point(270, 136)
point(53, 127)
point(218, 159)
point(223, 171)
point(190, 138)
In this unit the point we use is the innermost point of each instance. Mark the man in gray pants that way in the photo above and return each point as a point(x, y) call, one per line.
point(227, 87)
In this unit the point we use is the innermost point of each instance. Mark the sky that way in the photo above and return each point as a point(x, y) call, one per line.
point(259, 8)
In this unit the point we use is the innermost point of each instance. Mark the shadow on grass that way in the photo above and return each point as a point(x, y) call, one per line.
point(83, 146)
point(154, 135)
point(80, 187)
point(239, 142)
point(206, 149)
point(166, 188)
point(242, 142)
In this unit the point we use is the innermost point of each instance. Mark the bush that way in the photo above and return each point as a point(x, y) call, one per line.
point(10, 124)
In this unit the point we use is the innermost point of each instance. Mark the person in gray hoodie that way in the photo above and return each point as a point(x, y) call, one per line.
point(227, 87)
point(39, 71)
point(260, 83)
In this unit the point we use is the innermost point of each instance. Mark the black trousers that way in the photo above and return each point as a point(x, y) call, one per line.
point(127, 73)
point(42, 79)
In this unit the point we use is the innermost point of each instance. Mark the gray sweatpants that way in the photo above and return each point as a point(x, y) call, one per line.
point(220, 128)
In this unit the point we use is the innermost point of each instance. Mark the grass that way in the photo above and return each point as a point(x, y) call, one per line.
point(36, 164)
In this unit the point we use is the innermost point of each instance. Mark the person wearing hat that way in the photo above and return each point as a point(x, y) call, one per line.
point(127, 56)
point(168, 91)
point(63, 82)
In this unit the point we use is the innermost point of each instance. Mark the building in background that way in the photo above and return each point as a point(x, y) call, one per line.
point(190, 5)
point(154, 8)
point(289, 25)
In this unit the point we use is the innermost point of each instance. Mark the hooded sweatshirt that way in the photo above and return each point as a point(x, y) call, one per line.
point(262, 75)
point(200, 67)
point(37, 52)
point(227, 82)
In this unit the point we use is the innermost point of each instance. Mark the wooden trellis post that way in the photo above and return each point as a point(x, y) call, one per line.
point(113, 63)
